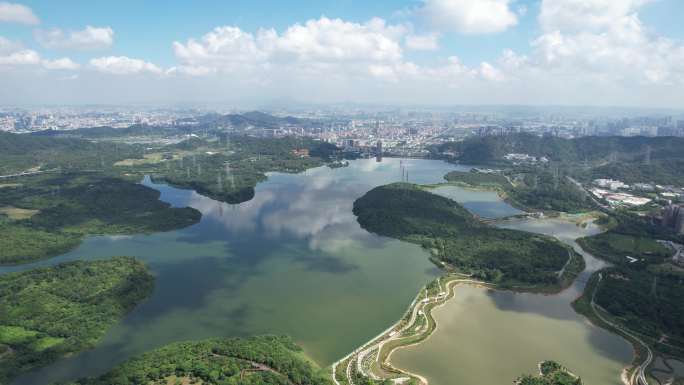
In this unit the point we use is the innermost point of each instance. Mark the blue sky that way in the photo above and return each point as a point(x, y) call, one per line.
point(538, 44)
point(146, 29)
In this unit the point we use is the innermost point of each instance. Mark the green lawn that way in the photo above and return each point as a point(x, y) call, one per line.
point(615, 247)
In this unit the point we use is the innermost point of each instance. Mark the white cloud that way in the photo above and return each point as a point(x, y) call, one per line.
point(17, 13)
point(469, 16)
point(604, 40)
point(14, 55)
point(7, 45)
point(585, 15)
point(122, 65)
point(312, 44)
point(61, 64)
point(190, 70)
point(20, 58)
point(88, 38)
point(489, 72)
point(429, 42)
point(320, 51)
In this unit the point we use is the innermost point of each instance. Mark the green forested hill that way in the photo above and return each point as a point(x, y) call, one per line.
point(589, 148)
point(19, 152)
point(47, 313)
point(60, 209)
point(534, 189)
point(261, 360)
point(504, 256)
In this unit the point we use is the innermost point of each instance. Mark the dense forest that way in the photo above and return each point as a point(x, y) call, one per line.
point(454, 236)
point(228, 168)
point(587, 148)
point(631, 159)
point(64, 208)
point(260, 360)
point(222, 166)
point(644, 292)
point(20, 153)
point(47, 313)
point(648, 301)
point(551, 373)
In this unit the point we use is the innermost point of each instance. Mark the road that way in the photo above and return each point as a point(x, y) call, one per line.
point(641, 369)
point(396, 333)
point(562, 271)
point(26, 173)
point(589, 194)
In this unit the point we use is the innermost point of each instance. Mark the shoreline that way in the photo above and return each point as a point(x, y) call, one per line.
point(447, 291)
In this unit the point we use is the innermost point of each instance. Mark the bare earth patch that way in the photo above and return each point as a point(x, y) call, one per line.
point(17, 214)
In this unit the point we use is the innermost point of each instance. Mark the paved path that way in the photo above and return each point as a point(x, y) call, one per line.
point(396, 333)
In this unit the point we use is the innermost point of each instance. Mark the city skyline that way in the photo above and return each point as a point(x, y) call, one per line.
point(431, 52)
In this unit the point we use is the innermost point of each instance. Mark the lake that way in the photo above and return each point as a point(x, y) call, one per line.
point(487, 337)
point(294, 260)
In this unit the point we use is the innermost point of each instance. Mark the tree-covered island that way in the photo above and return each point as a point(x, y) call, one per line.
point(48, 313)
point(550, 373)
point(458, 241)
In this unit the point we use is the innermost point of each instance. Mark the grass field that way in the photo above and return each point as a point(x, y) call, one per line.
point(616, 248)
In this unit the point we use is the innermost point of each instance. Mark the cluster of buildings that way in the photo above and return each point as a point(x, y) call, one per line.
point(525, 158)
point(616, 193)
point(619, 198)
point(21, 120)
point(610, 184)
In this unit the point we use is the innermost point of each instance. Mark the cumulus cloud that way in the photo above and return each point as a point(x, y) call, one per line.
point(7, 45)
point(489, 72)
point(61, 64)
point(88, 38)
point(586, 15)
point(585, 47)
point(17, 13)
point(20, 58)
point(606, 40)
point(14, 55)
point(469, 16)
point(316, 41)
point(122, 65)
point(322, 50)
point(429, 42)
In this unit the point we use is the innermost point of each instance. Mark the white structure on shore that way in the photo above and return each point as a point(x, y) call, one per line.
point(610, 184)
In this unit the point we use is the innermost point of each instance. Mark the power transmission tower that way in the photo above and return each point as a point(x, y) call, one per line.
point(647, 156)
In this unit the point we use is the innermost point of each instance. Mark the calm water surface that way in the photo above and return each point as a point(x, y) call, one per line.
point(487, 204)
point(294, 260)
point(488, 337)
